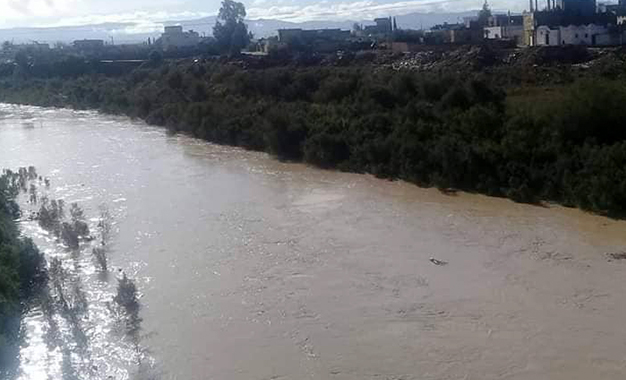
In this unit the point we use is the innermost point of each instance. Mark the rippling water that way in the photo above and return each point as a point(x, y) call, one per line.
point(254, 269)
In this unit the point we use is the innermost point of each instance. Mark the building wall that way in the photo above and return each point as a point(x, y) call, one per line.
point(611, 39)
point(583, 7)
point(174, 37)
point(177, 29)
point(384, 25)
point(460, 36)
point(529, 38)
point(548, 37)
point(494, 32)
point(581, 35)
point(513, 32)
point(289, 35)
point(572, 35)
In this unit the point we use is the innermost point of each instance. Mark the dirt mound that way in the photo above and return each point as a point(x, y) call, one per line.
point(552, 55)
point(461, 59)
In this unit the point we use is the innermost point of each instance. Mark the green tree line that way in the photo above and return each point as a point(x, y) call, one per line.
point(22, 271)
point(464, 132)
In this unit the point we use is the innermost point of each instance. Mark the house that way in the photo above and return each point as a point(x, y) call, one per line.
point(34, 46)
point(454, 34)
point(290, 36)
point(88, 45)
point(555, 19)
point(469, 21)
point(513, 33)
point(319, 40)
point(173, 37)
point(571, 35)
point(384, 26)
point(505, 27)
point(547, 36)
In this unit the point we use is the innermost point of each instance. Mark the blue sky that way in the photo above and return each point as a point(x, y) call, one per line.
point(79, 12)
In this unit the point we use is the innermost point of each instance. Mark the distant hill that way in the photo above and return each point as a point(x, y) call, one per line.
point(131, 32)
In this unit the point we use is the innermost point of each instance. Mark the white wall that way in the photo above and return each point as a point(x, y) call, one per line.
point(580, 35)
point(547, 36)
point(494, 32)
point(569, 35)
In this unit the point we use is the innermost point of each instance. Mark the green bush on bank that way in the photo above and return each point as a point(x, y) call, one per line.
point(21, 270)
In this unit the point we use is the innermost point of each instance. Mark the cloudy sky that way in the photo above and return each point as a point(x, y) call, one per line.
point(79, 12)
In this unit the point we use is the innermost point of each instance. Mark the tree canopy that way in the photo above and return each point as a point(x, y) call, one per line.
point(484, 14)
point(230, 31)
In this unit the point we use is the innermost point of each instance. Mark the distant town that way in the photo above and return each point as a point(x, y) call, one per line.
point(545, 23)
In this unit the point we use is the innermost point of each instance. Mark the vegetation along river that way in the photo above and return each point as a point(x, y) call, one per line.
point(250, 268)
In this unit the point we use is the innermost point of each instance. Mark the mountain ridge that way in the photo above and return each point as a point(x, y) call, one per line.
point(132, 32)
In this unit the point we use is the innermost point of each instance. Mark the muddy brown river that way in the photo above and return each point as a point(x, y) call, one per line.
point(249, 268)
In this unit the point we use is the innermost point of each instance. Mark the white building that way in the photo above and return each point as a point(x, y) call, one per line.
point(506, 32)
point(570, 35)
point(547, 36)
point(174, 37)
point(581, 35)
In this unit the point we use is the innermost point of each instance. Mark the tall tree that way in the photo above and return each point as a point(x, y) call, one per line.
point(230, 31)
point(484, 14)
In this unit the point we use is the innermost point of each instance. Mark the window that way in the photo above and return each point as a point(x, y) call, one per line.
point(576, 35)
point(586, 35)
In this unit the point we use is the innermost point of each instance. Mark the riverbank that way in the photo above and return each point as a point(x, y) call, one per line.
point(530, 140)
point(22, 272)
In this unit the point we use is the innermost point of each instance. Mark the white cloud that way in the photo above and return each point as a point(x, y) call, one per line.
point(355, 10)
point(21, 9)
point(152, 12)
point(139, 18)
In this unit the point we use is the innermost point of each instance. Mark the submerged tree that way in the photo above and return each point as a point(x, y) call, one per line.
point(69, 236)
point(78, 220)
point(32, 192)
point(105, 225)
point(101, 258)
point(230, 32)
point(127, 294)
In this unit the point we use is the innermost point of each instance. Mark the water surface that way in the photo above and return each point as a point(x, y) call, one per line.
point(254, 269)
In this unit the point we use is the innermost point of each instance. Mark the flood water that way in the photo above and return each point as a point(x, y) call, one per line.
point(249, 268)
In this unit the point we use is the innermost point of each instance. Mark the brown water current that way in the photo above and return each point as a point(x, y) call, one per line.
point(250, 268)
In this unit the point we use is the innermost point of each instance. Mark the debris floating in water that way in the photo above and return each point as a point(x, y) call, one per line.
point(616, 256)
point(438, 262)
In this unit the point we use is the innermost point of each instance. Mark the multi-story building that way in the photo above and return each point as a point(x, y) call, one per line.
point(174, 37)
point(384, 26)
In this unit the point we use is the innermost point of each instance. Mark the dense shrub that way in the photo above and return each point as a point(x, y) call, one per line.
point(22, 268)
point(432, 129)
